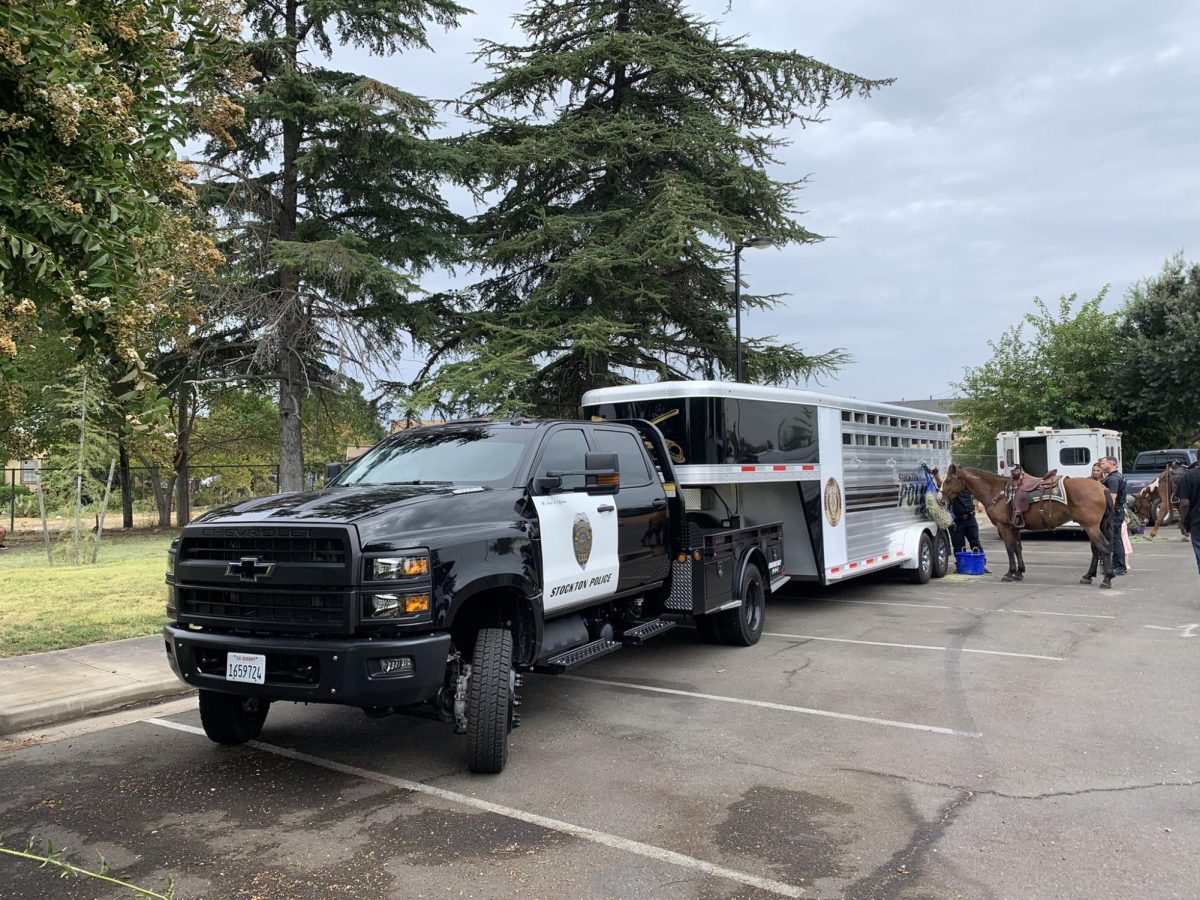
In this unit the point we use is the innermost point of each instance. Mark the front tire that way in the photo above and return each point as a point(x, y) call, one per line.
point(490, 701)
point(230, 719)
point(941, 554)
point(743, 625)
point(924, 570)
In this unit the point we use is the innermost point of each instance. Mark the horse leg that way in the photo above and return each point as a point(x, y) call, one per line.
point(1164, 510)
point(1006, 534)
point(1020, 576)
point(1096, 541)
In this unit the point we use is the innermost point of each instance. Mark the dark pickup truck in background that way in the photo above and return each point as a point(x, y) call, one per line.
point(1152, 463)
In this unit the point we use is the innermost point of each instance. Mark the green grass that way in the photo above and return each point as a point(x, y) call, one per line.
point(46, 607)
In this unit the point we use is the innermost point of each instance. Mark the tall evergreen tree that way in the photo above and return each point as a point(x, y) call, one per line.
point(623, 151)
point(329, 196)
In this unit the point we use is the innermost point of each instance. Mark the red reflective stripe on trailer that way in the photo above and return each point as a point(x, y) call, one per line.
point(870, 560)
point(779, 468)
point(899, 552)
point(835, 570)
point(807, 468)
point(884, 557)
point(748, 468)
point(853, 565)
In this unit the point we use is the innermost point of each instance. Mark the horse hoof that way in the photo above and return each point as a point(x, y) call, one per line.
point(1085, 580)
point(1020, 576)
point(1106, 584)
point(1008, 578)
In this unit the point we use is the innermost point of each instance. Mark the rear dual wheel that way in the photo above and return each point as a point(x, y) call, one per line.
point(741, 626)
point(230, 719)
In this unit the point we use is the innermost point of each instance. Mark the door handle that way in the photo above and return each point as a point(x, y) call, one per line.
point(659, 502)
point(606, 508)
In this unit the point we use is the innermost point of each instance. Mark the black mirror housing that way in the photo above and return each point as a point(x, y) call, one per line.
point(332, 471)
point(602, 476)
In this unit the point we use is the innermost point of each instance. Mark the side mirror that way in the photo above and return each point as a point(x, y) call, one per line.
point(602, 475)
point(332, 471)
point(547, 484)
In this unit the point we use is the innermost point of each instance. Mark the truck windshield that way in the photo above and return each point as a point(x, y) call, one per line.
point(467, 455)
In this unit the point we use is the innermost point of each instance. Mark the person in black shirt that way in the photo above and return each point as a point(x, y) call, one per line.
point(965, 533)
point(1115, 482)
point(1189, 507)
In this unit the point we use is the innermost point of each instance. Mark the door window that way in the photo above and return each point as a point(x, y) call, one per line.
point(630, 458)
point(564, 451)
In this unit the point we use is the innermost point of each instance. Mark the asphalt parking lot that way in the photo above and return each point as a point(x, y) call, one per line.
point(961, 739)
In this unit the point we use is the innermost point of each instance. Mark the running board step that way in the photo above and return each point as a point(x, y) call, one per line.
point(579, 655)
point(639, 634)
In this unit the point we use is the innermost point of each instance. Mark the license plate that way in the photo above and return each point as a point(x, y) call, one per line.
point(248, 667)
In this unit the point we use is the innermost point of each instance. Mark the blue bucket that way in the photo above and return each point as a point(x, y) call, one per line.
point(970, 563)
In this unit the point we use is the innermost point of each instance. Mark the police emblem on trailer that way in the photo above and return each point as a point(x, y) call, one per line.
point(581, 539)
point(833, 502)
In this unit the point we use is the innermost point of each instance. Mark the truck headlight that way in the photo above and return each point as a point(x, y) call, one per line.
point(394, 605)
point(172, 553)
point(394, 568)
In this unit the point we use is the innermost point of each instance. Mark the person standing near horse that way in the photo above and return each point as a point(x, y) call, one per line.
point(1114, 481)
point(1189, 507)
point(965, 533)
point(1097, 472)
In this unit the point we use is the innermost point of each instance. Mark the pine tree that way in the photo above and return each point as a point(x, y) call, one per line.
point(623, 151)
point(330, 196)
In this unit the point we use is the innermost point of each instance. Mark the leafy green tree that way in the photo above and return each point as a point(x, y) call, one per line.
point(329, 198)
point(622, 152)
point(95, 230)
point(1155, 385)
point(1052, 368)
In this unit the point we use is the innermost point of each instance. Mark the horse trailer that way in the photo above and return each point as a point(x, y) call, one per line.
point(847, 478)
point(1072, 451)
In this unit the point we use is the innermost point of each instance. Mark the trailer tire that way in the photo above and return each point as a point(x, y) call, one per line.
point(489, 701)
point(742, 626)
point(230, 719)
point(924, 570)
point(941, 554)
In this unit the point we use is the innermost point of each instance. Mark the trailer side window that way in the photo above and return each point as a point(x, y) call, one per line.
point(630, 458)
point(1074, 456)
point(846, 415)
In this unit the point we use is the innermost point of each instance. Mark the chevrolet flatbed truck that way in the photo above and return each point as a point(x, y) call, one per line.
point(445, 563)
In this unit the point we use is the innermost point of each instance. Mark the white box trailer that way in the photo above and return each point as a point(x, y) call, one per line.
point(1072, 451)
point(846, 477)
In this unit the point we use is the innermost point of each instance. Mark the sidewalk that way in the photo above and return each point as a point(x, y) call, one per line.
point(45, 688)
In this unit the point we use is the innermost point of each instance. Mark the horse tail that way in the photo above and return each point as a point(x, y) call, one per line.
point(1106, 520)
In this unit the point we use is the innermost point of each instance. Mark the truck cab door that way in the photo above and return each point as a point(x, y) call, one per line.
point(642, 537)
point(577, 532)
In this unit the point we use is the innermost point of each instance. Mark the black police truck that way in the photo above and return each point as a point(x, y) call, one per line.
point(445, 563)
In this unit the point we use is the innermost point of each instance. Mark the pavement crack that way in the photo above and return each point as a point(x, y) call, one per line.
point(1049, 795)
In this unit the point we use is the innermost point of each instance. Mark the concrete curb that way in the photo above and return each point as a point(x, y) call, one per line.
point(52, 712)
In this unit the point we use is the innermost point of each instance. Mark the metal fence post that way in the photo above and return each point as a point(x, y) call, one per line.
point(12, 506)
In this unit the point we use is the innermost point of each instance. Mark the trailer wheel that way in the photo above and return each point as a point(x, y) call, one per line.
point(743, 625)
point(924, 570)
point(489, 701)
point(230, 719)
point(941, 554)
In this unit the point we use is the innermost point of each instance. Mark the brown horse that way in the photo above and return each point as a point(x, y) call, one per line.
point(1088, 504)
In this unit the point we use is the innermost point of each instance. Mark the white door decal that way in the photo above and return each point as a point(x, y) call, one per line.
point(579, 549)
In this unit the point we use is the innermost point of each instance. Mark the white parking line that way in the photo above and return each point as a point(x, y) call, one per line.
point(813, 637)
point(782, 707)
point(1031, 612)
point(649, 851)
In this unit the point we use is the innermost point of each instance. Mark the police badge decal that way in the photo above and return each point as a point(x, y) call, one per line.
point(581, 539)
point(833, 502)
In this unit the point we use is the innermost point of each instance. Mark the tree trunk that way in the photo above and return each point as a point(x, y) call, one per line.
point(292, 334)
point(162, 498)
point(183, 504)
point(126, 485)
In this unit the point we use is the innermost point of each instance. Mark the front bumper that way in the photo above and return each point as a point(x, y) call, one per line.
point(344, 671)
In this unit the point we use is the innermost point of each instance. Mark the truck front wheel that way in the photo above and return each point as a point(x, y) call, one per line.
point(230, 719)
point(743, 625)
point(490, 701)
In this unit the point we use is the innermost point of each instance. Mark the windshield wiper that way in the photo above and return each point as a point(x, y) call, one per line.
point(415, 481)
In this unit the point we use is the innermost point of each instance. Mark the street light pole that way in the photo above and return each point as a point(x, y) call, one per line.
point(754, 243)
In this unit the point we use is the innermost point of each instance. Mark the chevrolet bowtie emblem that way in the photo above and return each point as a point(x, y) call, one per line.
point(250, 568)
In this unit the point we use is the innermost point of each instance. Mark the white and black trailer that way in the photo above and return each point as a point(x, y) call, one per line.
point(847, 478)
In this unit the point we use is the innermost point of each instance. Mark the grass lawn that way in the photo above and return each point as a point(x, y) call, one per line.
point(46, 607)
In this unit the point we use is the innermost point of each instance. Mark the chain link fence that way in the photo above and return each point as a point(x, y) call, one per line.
point(140, 497)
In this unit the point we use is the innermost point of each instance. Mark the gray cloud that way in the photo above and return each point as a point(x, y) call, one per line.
point(1027, 149)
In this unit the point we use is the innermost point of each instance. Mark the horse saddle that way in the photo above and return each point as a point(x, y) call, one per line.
point(1031, 489)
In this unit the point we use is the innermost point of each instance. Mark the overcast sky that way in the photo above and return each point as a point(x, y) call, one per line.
point(1026, 149)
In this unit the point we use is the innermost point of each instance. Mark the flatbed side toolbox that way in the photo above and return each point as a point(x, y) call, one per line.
point(704, 572)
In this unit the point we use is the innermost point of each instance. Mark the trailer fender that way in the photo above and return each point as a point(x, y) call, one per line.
point(912, 542)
